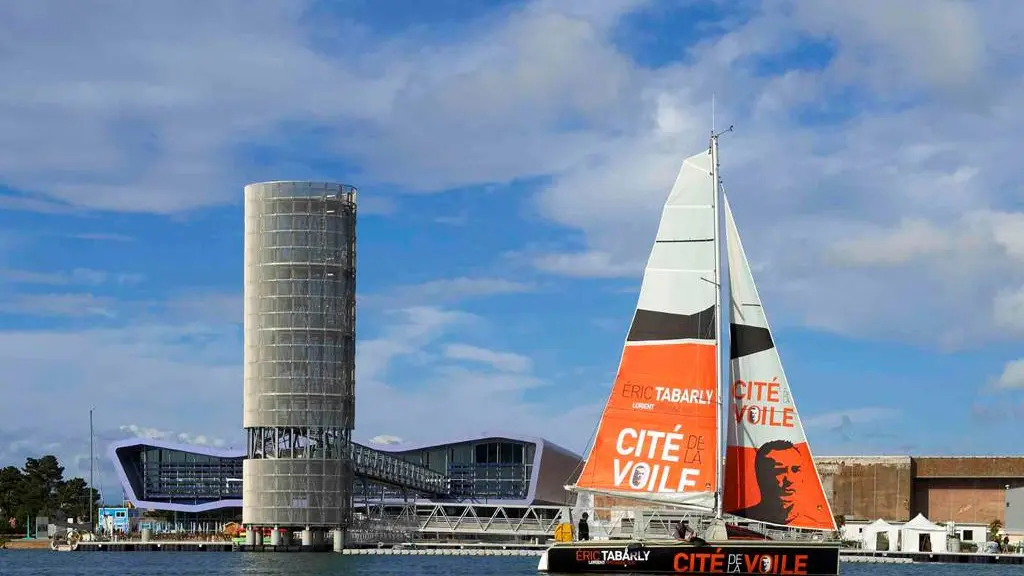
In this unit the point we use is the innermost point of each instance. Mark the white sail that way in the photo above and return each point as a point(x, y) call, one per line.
point(657, 439)
point(770, 474)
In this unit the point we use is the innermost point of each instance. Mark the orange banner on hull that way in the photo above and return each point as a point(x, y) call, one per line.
point(657, 433)
point(776, 483)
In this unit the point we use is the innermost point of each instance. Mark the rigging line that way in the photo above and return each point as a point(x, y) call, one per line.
point(583, 461)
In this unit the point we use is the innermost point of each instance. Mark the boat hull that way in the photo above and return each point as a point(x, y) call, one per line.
point(675, 557)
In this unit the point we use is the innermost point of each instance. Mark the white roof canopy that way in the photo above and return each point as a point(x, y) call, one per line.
point(922, 524)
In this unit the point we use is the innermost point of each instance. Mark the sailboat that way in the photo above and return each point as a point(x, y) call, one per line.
point(659, 439)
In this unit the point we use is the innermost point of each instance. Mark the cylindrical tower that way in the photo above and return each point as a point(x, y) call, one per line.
point(299, 405)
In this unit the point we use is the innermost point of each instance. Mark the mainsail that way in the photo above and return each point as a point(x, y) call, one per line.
point(657, 439)
point(769, 472)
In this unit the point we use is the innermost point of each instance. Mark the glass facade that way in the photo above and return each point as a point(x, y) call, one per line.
point(489, 469)
point(178, 477)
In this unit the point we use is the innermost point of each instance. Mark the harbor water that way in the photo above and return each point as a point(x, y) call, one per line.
point(36, 562)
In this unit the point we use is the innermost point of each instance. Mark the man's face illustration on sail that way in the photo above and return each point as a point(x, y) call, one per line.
point(786, 468)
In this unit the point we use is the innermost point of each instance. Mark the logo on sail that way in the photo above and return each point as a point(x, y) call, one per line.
point(641, 472)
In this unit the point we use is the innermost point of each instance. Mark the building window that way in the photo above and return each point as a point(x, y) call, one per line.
point(969, 535)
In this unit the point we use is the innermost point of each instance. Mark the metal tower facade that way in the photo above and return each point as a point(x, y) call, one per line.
point(299, 405)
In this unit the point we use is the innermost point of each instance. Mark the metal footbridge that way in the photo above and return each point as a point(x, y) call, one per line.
point(390, 469)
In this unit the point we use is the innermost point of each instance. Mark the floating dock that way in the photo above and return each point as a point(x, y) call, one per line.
point(874, 557)
point(427, 549)
point(192, 546)
point(853, 559)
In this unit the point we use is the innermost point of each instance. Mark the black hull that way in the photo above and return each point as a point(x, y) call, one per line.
point(674, 557)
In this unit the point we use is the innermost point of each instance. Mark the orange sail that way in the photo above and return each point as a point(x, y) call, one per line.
point(657, 439)
point(769, 472)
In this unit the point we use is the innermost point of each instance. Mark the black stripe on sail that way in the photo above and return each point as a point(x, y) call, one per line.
point(650, 325)
point(745, 340)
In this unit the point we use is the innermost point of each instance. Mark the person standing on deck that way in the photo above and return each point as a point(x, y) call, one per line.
point(583, 530)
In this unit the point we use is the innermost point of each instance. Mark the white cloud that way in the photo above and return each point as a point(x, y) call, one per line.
point(183, 437)
point(910, 240)
point(186, 94)
point(484, 401)
point(145, 432)
point(157, 369)
point(821, 201)
point(385, 439)
point(1008, 310)
point(592, 264)
point(504, 361)
point(922, 280)
point(902, 209)
point(1012, 375)
point(933, 44)
point(914, 124)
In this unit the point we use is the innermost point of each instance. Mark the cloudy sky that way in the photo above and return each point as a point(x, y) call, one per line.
point(511, 159)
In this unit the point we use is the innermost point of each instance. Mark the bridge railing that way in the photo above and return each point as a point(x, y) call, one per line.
point(391, 469)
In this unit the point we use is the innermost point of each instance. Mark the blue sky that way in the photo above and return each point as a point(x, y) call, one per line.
point(511, 159)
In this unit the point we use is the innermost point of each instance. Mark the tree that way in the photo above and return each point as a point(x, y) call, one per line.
point(39, 489)
point(42, 476)
point(73, 498)
point(993, 530)
point(12, 488)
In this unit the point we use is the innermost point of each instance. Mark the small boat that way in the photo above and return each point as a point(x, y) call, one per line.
point(66, 543)
point(659, 439)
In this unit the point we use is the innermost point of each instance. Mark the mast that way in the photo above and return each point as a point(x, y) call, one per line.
point(719, 389)
point(718, 326)
point(92, 459)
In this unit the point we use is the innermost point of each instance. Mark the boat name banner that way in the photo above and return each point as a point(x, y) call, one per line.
point(699, 560)
point(737, 563)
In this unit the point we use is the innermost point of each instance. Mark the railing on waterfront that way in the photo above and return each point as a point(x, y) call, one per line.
point(451, 520)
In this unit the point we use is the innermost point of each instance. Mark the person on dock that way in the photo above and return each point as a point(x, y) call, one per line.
point(583, 530)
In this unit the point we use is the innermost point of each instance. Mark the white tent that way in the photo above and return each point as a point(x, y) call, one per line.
point(923, 535)
point(880, 535)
